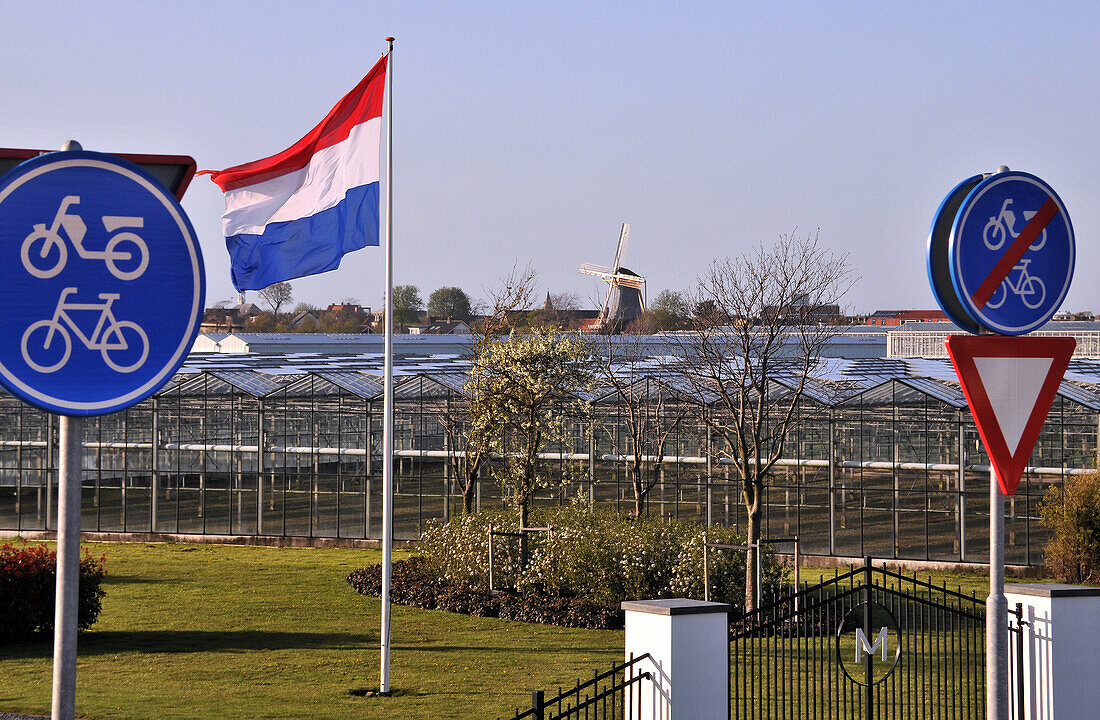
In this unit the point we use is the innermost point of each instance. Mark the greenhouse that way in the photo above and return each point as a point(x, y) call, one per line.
point(886, 461)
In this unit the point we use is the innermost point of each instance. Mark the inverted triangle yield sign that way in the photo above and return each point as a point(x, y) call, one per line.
point(1010, 383)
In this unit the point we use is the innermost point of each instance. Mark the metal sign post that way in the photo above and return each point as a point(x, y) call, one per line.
point(68, 568)
point(1009, 383)
point(996, 609)
point(1001, 253)
point(102, 278)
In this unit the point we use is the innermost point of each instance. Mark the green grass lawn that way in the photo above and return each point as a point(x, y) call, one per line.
point(220, 632)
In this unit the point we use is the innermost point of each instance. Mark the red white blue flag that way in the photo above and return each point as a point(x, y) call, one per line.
point(297, 213)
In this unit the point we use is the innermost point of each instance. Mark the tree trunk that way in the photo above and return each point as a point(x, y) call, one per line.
point(469, 490)
point(523, 534)
point(639, 491)
point(752, 556)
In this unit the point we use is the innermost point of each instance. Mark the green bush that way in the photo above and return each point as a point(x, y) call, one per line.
point(592, 553)
point(28, 577)
point(1072, 515)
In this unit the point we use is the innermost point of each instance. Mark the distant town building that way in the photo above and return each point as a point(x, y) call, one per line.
point(897, 317)
point(438, 326)
point(228, 319)
point(305, 320)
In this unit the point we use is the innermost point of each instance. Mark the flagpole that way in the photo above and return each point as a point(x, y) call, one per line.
point(387, 406)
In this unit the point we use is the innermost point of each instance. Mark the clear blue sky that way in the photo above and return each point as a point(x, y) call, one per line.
point(529, 131)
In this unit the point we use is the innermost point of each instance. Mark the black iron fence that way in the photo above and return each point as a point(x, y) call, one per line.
point(868, 643)
point(609, 695)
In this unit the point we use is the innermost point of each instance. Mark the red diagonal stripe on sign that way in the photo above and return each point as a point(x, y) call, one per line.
point(1015, 251)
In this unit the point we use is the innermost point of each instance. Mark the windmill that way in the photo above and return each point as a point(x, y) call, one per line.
point(624, 301)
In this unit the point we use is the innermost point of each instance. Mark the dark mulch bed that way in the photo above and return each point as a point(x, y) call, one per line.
point(411, 584)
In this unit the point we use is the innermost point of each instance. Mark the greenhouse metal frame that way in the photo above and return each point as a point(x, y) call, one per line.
point(885, 462)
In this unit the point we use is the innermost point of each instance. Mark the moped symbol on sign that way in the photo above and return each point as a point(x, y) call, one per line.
point(103, 283)
point(44, 253)
point(1011, 253)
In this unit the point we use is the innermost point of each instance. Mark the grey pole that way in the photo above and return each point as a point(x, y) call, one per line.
point(961, 502)
point(261, 442)
point(592, 459)
point(154, 481)
point(68, 568)
point(996, 609)
point(832, 486)
point(49, 470)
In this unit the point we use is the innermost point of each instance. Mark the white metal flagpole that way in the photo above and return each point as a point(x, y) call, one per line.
point(387, 403)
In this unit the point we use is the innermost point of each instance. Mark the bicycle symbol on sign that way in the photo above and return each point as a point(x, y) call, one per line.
point(1029, 288)
point(47, 344)
point(44, 253)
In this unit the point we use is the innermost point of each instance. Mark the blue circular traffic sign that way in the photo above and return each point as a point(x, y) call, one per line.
point(1011, 253)
point(103, 284)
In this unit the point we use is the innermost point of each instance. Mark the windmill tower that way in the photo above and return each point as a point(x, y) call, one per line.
point(625, 299)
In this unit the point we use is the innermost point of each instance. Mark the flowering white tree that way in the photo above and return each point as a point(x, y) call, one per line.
point(526, 386)
point(470, 428)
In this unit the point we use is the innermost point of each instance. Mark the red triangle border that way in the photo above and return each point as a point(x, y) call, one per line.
point(963, 349)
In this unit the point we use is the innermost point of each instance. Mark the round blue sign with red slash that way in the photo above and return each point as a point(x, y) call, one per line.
point(101, 282)
point(1011, 253)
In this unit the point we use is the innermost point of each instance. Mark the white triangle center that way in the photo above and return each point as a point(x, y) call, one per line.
point(1013, 386)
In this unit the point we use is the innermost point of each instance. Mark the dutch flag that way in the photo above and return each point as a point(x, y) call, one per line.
point(298, 212)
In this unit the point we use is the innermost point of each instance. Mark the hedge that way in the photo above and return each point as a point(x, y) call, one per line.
point(28, 577)
point(593, 553)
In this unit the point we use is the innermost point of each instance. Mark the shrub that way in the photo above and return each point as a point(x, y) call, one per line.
point(577, 574)
point(727, 568)
point(1072, 514)
point(593, 553)
point(28, 577)
point(458, 551)
point(601, 555)
point(410, 583)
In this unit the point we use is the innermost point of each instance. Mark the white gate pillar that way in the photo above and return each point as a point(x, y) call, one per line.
point(1061, 652)
point(688, 646)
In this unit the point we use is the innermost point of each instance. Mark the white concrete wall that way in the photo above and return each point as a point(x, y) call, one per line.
point(688, 644)
point(1061, 651)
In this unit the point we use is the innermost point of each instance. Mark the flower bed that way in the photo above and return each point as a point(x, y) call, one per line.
point(577, 574)
point(412, 583)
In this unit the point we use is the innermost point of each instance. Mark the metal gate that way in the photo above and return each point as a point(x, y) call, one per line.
point(868, 643)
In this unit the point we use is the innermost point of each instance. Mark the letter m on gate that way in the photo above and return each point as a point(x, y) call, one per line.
point(863, 646)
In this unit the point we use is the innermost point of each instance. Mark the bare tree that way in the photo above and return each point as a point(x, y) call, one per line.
point(276, 296)
point(751, 355)
point(652, 412)
point(507, 304)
